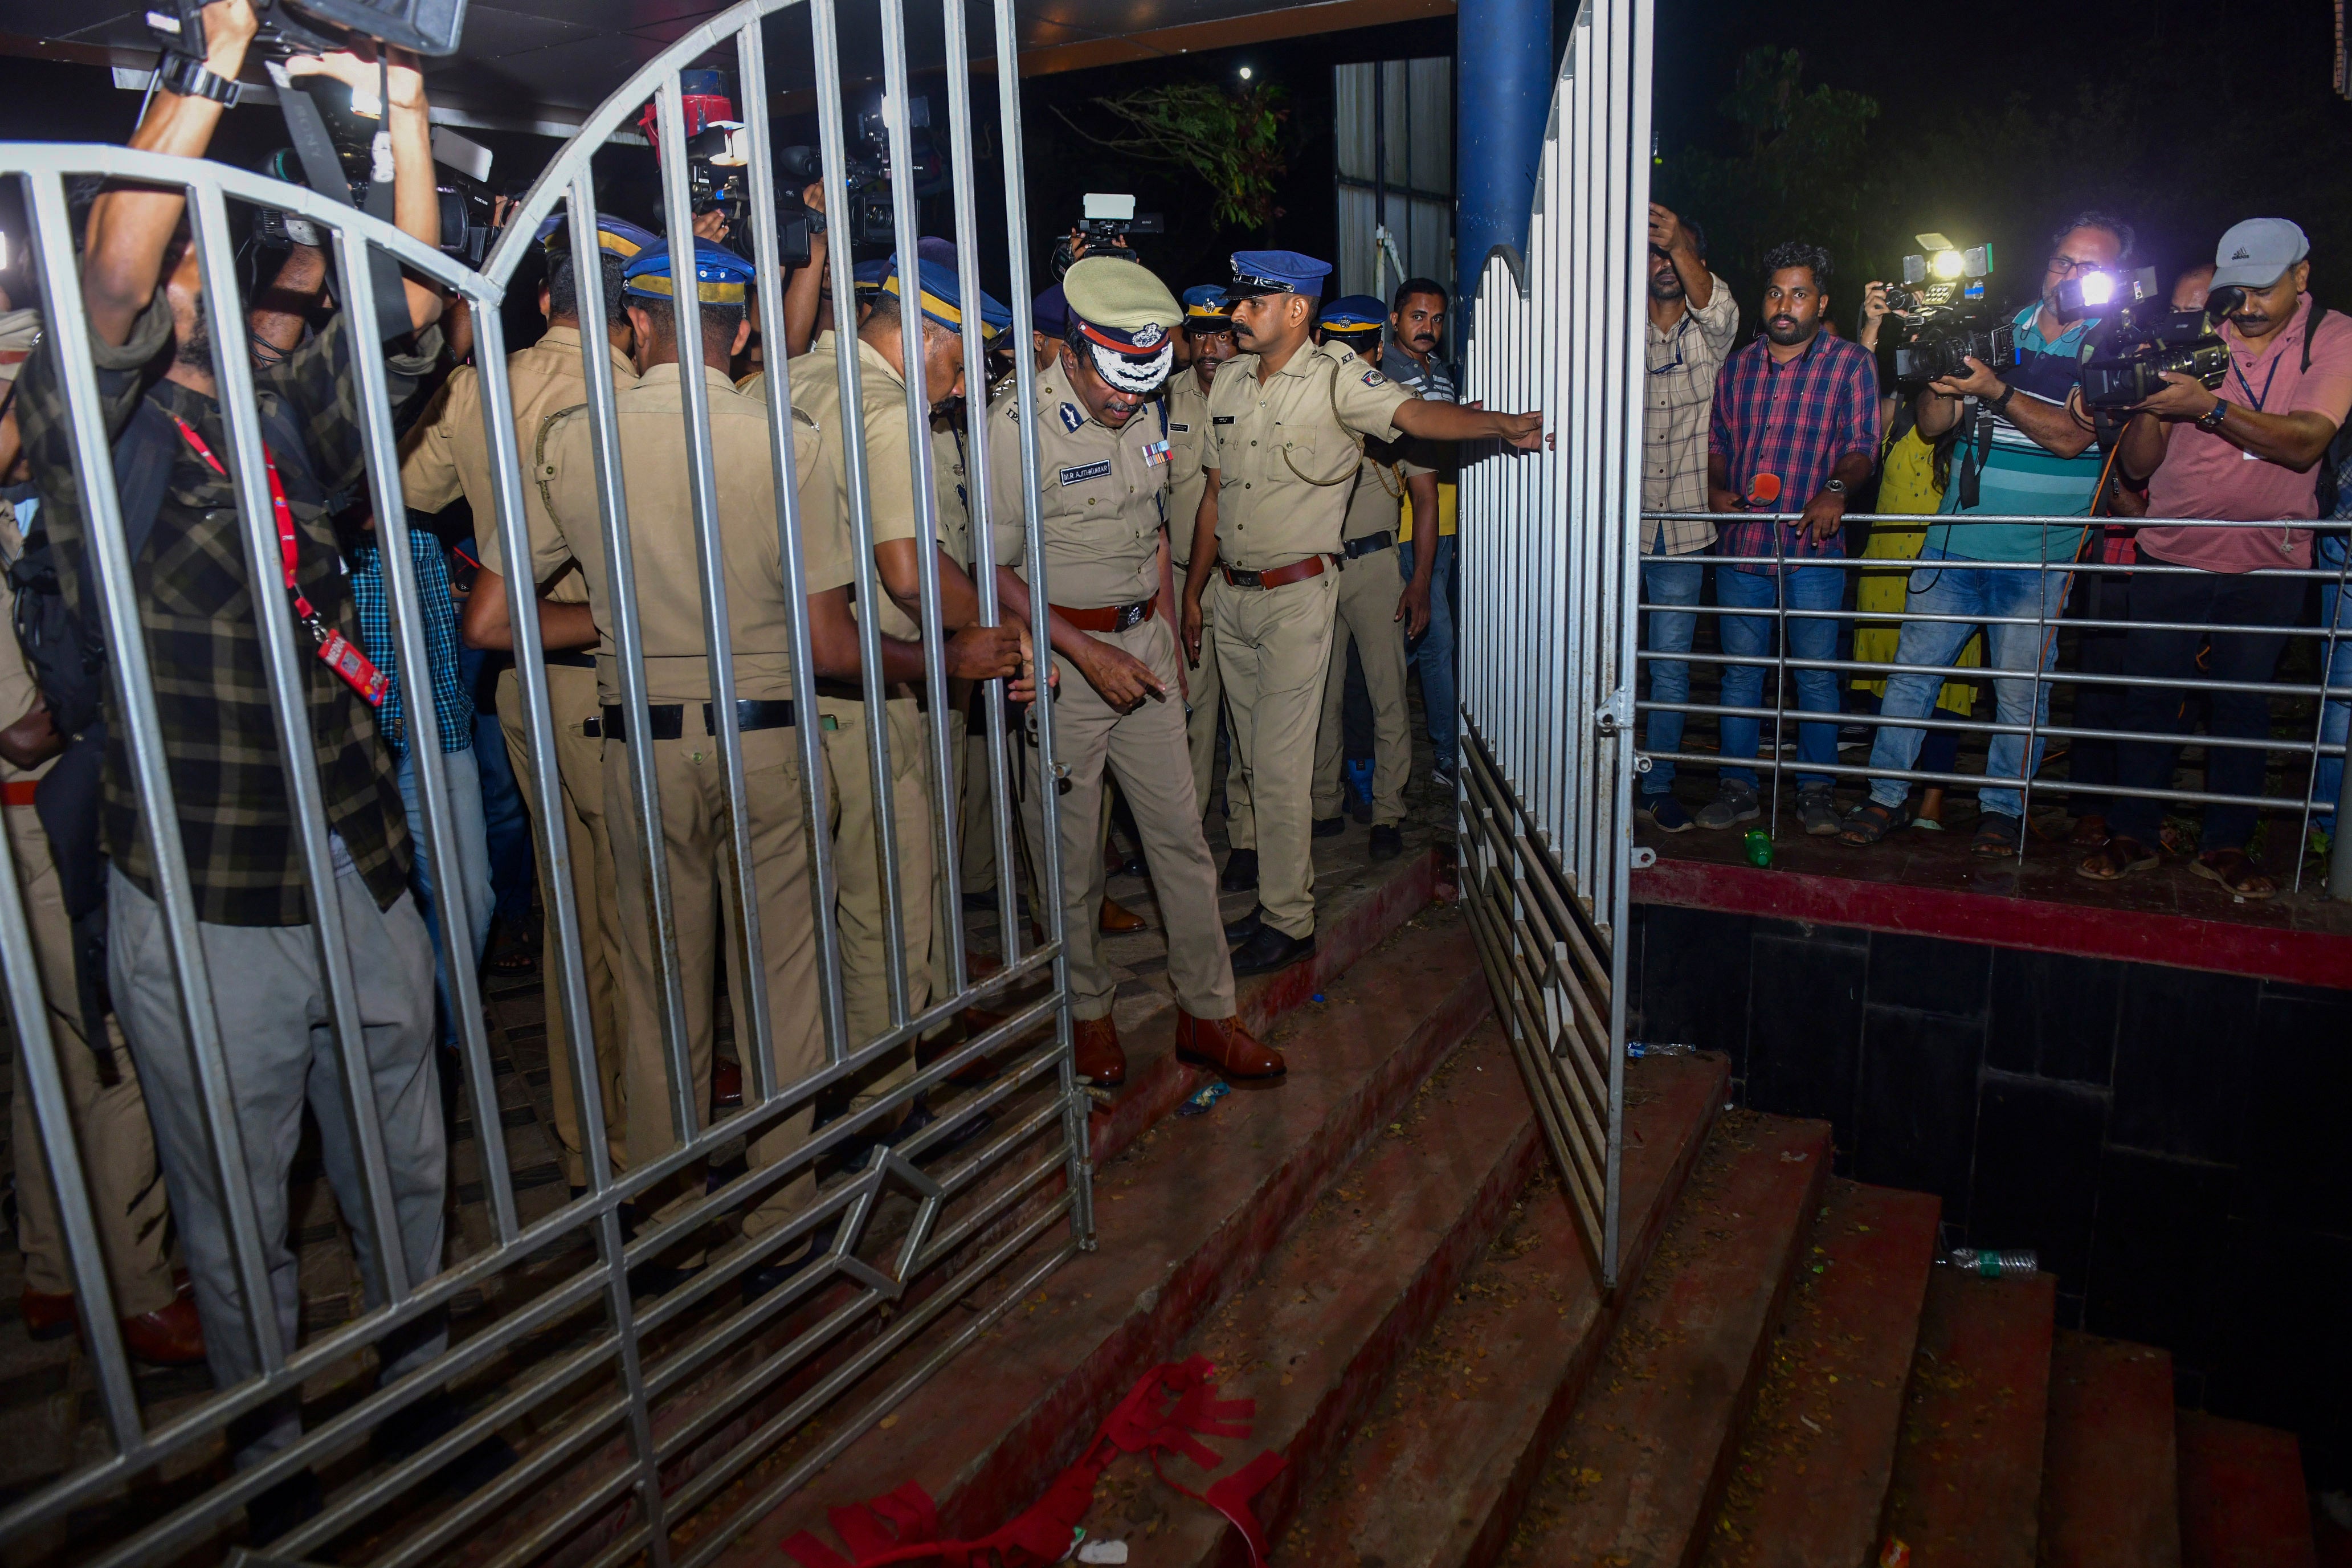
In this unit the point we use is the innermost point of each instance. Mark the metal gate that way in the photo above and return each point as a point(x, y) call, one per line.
point(659, 1426)
point(1549, 551)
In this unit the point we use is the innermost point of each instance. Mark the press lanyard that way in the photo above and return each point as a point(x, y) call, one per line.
point(2248, 387)
point(336, 652)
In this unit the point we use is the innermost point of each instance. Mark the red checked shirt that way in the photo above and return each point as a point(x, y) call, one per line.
point(1797, 421)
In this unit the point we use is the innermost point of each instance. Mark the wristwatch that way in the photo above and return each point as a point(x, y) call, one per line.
point(191, 78)
point(1835, 488)
point(2001, 405)
point(2212, 419)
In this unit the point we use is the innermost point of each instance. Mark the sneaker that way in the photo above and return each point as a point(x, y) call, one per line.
point(1733, 805)
point(1441, 777)
point(1664, 813)
point(1817, 809)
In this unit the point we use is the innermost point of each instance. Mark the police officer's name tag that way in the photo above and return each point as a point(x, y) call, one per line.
point(1221, 419)
point(1080, 472)
point(1179, 428)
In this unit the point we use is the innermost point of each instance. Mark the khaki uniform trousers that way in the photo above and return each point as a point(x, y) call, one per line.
point(1147, 752)
point(110, 1119)
point(1367, 617)
point(579, 779)
point(978, 848)
point(857, 873)
point(696, 833)
point(1207, 700)
point(1275, 648)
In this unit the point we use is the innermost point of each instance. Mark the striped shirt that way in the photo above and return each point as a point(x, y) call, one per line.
point(1678, 398)
point(2018, 477)
point(1795, 422)
point(453, 704)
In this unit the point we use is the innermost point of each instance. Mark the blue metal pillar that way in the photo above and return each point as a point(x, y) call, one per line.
point(1503, 96)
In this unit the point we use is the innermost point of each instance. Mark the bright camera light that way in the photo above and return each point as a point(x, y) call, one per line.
point(2098, 287)
point(1246, 73)
point(1947, 264)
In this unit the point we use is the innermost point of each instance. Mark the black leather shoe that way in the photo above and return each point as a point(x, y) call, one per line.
point(1240, 871)
point(1248, 926)
point(1387, 842)
point(1269, 949)
point(1331, 826)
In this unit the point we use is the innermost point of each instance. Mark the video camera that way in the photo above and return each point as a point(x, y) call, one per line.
point(1112, 218)
point(2125, 358)
point(1943, 319)
point(467, 208)
point(319, 27)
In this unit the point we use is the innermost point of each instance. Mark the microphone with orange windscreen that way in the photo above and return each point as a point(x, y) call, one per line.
point(1763, 490)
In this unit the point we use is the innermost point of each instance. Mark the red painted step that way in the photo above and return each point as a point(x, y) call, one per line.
point(2110, 1497)
point(1967, 1473)
point(2242, 1495)
point(1183, 1219)
point(1810, 1485)
point(1634, 1480)
point(1440, 1470)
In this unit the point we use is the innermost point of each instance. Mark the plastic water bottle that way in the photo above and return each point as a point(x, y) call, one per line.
point(1639, 1049)
point(1759, 846)
point(1993, 1265)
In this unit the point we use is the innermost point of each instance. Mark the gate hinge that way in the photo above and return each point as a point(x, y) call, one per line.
point(1616, 712)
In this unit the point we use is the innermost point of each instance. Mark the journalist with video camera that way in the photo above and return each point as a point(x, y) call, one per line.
point(154, 348)
point(2248, 450)
point(2019, 451)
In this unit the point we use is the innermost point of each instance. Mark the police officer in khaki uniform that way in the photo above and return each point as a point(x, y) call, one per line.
point(446, 456)
point(898, 523)
point(689, 772)
point(103, 1098)
point(1288, 420)
point(1372, 612)
point(1209, 330)
point(1105, 467)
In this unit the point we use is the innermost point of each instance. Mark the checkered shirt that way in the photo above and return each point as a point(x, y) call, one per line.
point(1795, 420)
point(453, 704)
point(1679, 395)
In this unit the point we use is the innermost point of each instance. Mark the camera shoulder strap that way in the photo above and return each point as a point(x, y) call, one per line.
point(324, 172)
point(1978, 446)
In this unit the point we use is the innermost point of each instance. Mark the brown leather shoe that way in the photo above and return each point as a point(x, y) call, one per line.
point(1094, 1050)
point(170, 1336)
point(1118, 920)
point(1222, 1043)
point(49, 1317)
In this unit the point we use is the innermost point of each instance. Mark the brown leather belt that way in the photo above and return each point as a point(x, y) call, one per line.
point(570, 658)
point(1110, 618)
point(1296, 571)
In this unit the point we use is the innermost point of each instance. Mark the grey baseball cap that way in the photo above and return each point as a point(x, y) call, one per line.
point(2254, 254)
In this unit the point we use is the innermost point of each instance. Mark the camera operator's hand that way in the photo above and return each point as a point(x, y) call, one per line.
point(400, 75)
point(1874, 315)
point(2183, 397)
point(813, 198)
point(229, 28)
point(1666, 231)
point(1979, 383)
point(710, 225)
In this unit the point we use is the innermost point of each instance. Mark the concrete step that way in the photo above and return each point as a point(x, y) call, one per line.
point(1967, 1473)
point(1635, 1478)
point(2243, 1502)
point(2110, 1497)
point(1810, 1485)
point(1185, 1215)
point(1440, 1470)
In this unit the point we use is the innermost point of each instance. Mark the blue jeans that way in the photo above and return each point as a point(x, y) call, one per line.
point(1966, 587)
point(2335, 610)
point(1666, 580)
point(1751, 636)
point(506, 821)
point(1435, 651)
point(473, 888)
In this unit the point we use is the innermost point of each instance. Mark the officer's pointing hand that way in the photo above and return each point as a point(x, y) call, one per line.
point(984, 653)
point(1123, 680)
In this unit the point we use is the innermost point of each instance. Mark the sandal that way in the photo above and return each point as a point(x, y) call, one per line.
point(2090, 831)
point(1873, 823)
point(513, 960)
point(2235, 871)
point(1998, 835)
point(2117, 858)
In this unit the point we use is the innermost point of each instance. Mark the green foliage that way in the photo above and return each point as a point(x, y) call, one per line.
point(1230, 139)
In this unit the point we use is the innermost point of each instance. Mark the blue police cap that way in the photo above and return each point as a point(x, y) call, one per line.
point(940, 295)
point(1352, 313)
point(720, 277)
point(1204, 303)
point(866, 275)
point(615, 236)
point(1257, 272)
point(1050, 312)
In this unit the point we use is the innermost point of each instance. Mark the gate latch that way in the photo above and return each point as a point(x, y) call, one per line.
point(1616, 712)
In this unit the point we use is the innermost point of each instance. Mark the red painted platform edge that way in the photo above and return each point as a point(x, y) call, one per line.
point(2242, 1498)
point(2177, 941)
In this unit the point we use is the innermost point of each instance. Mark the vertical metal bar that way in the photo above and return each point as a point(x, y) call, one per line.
point(906, 224)
point(605, 441)
point(558, 898)
point(825, 28)
point(2339, 859)
point(423, 737)
point(116, 595)
point(1781, 574)
point(2041, 634)
point(816, 805)
point(1049, 810)
point(41, 1076)
point(754, 1031)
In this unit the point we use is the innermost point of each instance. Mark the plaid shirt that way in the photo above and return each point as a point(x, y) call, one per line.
point(453, 704)
point(1680, 394)
point(197, 610)
point(1795, 420)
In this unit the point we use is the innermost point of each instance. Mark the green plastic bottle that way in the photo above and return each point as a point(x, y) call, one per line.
point(1759, 846)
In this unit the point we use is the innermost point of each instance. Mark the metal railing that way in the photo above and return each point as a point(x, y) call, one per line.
point(1549, 551)
point(653, 1428)
point(2331, 634)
